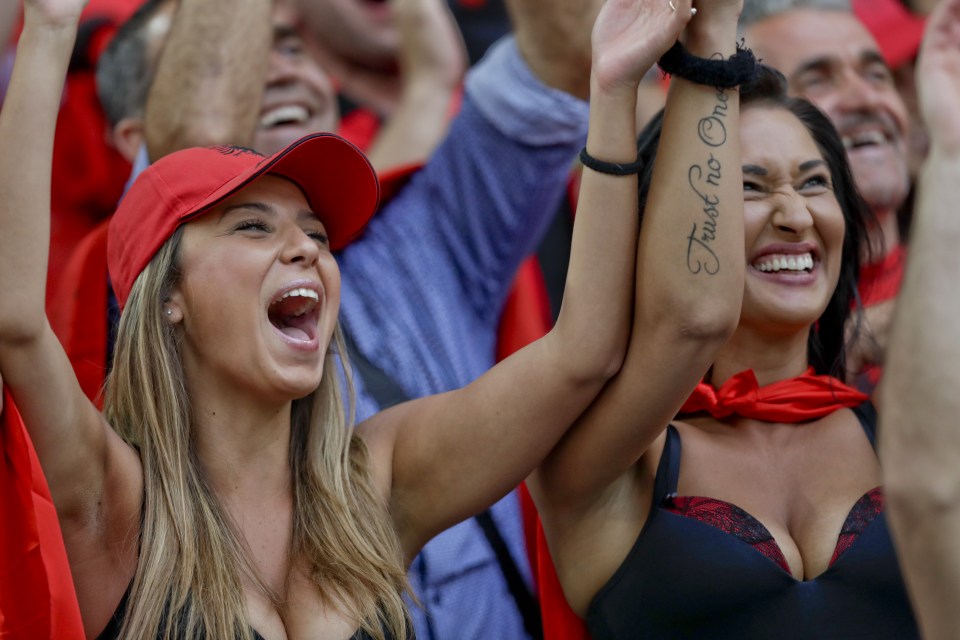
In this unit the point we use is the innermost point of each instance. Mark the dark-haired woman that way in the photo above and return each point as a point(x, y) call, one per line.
point(220, 494)
point(757, 512)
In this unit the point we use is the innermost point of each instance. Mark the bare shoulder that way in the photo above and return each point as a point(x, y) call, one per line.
point(589, 547)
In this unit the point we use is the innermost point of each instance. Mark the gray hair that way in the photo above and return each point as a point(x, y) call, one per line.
point(124, 72)
point(756, 10)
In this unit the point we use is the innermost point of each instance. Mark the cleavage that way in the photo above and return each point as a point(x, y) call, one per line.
point(801, 517)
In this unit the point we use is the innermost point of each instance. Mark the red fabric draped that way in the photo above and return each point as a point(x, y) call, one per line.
point(87, 174)
point(526, 313)
point(37, 600)
point(806, 397)
point(78, 314)
point(881, 281)
point(559, 620)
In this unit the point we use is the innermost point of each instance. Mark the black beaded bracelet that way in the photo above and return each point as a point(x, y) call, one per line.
point(610, 168)
point(738, 69)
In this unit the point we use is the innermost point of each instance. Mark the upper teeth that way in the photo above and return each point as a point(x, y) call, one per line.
point(778, 262)
point(290, 113)
point(862, 138)
point(306, 293)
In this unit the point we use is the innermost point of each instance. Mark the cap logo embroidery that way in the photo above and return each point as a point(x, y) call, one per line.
point(230, 150)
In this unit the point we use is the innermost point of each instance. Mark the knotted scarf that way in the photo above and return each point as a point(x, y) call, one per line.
point(806, 397)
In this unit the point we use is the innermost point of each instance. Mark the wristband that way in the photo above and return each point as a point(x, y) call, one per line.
point(738, 69)
point(609, 168)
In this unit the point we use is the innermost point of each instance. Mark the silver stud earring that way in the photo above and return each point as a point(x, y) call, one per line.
point(169, 312)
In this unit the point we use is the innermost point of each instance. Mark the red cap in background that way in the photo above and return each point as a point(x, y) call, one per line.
point(897, 31)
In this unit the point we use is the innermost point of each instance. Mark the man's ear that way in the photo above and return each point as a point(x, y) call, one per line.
point(127, 136)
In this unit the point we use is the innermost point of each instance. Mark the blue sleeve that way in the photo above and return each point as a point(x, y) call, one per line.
point(140, 164)
point(425, 285)
point(6, 71)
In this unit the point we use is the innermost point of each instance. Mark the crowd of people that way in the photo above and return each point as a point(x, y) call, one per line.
point(301, 338)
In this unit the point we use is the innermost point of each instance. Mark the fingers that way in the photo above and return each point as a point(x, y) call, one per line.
point(673, 7)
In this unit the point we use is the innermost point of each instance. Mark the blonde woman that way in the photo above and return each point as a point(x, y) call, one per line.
point(221, 494)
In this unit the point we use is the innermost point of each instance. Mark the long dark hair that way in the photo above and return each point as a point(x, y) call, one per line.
point(825, 348)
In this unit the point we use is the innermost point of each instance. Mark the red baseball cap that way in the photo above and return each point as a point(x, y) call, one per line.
point(898, 31)
point(336, 178)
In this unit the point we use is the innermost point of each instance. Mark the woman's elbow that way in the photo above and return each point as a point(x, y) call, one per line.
point(920, 493)
point(596, 366)
point(21, 331)
point(701, 323)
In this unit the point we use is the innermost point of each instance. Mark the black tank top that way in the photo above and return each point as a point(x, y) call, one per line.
point(685, 578)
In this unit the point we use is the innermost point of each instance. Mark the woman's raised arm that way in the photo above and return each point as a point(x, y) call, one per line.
point(73, 442)
point(919, 401)
point(454, 454)
point(689, 282)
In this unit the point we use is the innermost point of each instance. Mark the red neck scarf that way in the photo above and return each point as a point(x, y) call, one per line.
point(806, 397)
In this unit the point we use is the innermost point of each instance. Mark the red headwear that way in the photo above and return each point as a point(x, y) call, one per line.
point(337, 180)
point(896, 29)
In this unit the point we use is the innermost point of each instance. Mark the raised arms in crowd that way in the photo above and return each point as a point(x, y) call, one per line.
point(428, 474)
point(689, 286)
point(194, 102)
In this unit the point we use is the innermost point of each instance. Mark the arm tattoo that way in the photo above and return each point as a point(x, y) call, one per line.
point(712, 131)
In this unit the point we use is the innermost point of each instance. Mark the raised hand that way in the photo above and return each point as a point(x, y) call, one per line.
point(938, 76)
point(54, 12)
point(431, 47)
point(630, 35)
point(554, 38)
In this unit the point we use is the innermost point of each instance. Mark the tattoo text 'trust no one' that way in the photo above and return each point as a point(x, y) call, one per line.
point(704, 180)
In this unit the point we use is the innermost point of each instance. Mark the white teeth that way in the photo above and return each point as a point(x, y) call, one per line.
point(863, 138)
point(779, 262)
point(301, 292)
point(290, 114)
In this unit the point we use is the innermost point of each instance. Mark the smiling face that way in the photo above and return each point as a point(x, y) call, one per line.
point(793, 222)
point(830, 58)
point(299, 97)
point(259, 294)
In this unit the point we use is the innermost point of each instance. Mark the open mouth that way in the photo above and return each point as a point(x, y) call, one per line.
point(864, 139)
point(295, 313)
point(801, 263)
point(287, 115)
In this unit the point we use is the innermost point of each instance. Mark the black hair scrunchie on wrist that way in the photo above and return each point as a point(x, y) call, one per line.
point(738, 69)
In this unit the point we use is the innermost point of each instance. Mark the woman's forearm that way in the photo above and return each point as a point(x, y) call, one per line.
point(689, 281)
point(27, 124)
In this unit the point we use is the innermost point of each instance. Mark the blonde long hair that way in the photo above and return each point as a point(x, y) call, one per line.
point(191, 558)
